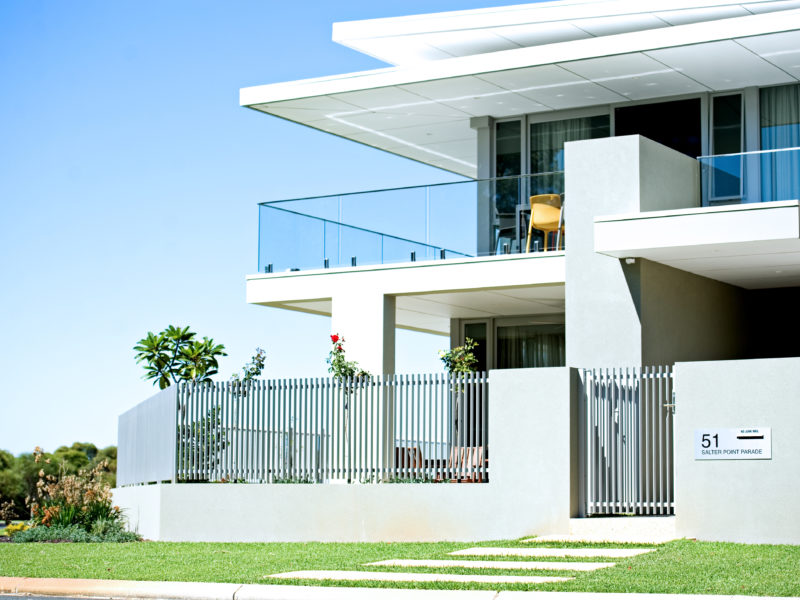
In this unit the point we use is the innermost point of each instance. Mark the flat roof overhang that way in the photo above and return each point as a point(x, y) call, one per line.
point(428, 294)
point(413, 39)
point(423, 112)
point(749, 245)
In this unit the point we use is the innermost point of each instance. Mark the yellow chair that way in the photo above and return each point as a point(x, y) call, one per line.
point(545, 216)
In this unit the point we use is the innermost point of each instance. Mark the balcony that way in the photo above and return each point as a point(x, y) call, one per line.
point(422, 223)
point(750, 177)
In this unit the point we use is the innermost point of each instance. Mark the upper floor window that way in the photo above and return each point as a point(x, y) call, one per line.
point(780, 117)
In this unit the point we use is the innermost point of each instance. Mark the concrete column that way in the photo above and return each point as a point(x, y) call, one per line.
point(484, 126)
point(367, 322)
point(604, 295)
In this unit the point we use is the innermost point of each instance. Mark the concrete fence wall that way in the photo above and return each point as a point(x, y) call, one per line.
point(146, 440)
point(532, 488)
point(752, 501)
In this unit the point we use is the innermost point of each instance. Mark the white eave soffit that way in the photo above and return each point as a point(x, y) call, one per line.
point(594, 48)
point(423, 112)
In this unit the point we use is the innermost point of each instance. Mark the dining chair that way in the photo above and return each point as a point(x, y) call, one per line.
point(546, 217)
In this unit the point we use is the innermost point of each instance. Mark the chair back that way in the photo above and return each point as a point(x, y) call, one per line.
point(553, 200)
point(408, 457)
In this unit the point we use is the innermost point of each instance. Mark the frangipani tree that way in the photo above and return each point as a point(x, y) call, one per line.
point(174, 355)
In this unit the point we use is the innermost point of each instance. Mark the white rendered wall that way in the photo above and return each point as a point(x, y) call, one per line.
point(750, 501)
point(532, 489)
point(640, 313)
point(366, 319)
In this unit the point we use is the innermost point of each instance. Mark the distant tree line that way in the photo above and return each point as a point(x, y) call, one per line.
point(19, 474)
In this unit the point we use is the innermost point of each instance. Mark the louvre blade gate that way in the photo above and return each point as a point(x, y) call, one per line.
point(627, 440)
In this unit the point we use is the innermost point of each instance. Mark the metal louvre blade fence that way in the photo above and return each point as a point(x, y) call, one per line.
point(405, 428)
point(627, 431)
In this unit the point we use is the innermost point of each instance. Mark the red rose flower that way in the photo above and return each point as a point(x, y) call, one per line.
point(334, 338)
point(339, 348)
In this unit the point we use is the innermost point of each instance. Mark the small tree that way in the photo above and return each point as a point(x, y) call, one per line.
point(460, 359)
point(174, 356)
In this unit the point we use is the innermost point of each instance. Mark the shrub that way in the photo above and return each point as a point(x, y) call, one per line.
point(13, 528)
point(460, 359)
point(339, 366)
point(74, 533)
point(74, 508)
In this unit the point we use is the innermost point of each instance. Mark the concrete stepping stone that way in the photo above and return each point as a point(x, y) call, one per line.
point(495, 564)
point(555, 552)
point(599, 538)
point(422, 577)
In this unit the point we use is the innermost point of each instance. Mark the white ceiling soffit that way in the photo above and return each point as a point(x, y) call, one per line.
point(420, 38)
point(432, 312)
point(749, 245)
point(423, 112)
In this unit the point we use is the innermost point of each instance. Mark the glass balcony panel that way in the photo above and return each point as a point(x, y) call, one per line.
point(291, 241)
point(763, 176)
point(360, 246)
point(399, 212)
point(397, 250)
point(453, 217)
point(461, 219)
point(780, 175)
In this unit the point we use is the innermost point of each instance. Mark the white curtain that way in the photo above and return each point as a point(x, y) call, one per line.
point(547, 148)
point(527, 346)
point(780, 128)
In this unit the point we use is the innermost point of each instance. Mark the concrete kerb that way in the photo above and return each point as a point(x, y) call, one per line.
point(175, 590)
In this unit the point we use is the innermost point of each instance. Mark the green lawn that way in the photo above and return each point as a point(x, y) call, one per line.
point(678, 567)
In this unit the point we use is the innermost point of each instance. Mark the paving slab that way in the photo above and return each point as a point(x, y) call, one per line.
point(657, 529)
point(599, 539)
point(417, 577)
point(554, 552)
point(495, 564)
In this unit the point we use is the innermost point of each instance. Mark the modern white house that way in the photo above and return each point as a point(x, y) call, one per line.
point(628, 196)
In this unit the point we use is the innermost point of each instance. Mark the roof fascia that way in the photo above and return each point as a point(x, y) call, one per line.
point(544, 12)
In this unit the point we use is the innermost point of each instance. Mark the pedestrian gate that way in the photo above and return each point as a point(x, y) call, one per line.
point(627, 441)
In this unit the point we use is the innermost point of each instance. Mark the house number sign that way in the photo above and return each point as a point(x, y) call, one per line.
point(745, 443)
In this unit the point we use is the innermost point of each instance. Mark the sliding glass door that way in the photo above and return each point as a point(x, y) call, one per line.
point(525, 346)
point(517, 342)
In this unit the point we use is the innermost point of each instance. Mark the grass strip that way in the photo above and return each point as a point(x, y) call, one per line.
point(682, 566)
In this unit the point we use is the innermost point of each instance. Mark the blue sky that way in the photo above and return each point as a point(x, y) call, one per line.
point(129, 183)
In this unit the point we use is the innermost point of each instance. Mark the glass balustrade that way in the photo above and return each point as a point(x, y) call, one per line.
point(433, 222)
point(763, 176)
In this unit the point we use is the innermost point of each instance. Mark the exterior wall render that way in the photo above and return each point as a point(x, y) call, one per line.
point(749, 501)
point(686, 317)
point(525, 495)
point(602, 325)
point(366, 319)
point(644, 312)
